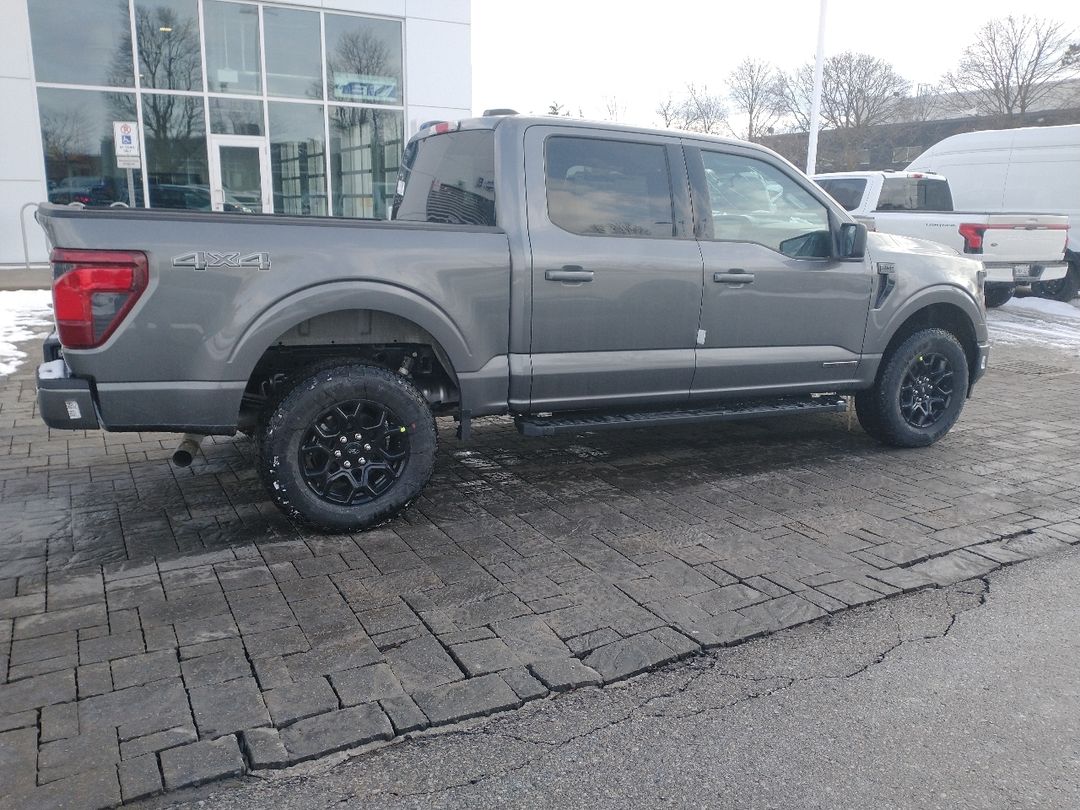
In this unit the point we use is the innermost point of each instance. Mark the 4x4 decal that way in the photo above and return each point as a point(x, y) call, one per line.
point(210, 259)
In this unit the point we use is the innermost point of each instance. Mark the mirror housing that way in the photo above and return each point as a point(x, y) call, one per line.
point(852, 240)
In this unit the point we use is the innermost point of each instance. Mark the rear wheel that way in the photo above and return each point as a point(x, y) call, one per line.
point(347, 448)
point(1064, 289)
point(919, 392)
point(998, 294)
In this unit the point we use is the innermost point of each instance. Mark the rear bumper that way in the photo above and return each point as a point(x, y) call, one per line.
point(1020, 273)
point(65, 402)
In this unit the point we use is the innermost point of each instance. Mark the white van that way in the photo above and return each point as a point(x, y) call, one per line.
point(1034, 169)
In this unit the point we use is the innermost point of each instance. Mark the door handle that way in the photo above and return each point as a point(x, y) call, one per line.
point(733, 276)
point(570, 272)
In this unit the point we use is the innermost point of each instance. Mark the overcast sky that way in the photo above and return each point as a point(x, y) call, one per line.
point(528, 53)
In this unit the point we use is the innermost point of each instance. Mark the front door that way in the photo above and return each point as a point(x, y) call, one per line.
point(779, 314)
point(240, 174)
point(616, 272)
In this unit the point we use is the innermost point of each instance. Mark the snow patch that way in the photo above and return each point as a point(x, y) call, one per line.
point(24, 315)
point(1043, 306)
point(1036, 321)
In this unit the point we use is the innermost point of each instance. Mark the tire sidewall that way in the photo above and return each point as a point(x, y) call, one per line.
point(896, 428)
point(293, 417)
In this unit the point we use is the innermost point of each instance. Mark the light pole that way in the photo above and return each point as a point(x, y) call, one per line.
point(815, 98)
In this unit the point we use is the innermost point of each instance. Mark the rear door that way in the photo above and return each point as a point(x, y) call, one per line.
point(778, 314)
point(616, 272)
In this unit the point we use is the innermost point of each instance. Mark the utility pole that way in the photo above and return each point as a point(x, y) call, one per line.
point(815, 99)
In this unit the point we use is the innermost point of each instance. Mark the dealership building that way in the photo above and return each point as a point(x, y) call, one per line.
point(230, 105)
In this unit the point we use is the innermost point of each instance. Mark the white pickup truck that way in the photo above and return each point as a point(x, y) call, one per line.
point(1015, 248)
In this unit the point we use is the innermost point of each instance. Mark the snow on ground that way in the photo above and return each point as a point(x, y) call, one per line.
point(1039, 321)
point(24, 315)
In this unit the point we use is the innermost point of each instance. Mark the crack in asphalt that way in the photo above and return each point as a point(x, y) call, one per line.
point(705, 666)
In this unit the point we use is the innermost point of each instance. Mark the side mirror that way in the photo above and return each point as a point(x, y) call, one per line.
point(852, 240)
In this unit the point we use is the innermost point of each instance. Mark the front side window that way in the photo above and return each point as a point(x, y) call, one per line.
point(609, 188)
point(915, 194)
point(848, 191)
point(753, 201)
point(448, 178)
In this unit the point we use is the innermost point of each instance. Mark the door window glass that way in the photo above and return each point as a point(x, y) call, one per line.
point(848, 191)
point(363, 59)
point(167, 42)
point(610, 188)
point(232, 47)
point(236, 116)
point(449, 178)
point(293, 53)
point(752, 201)
point(241, 178)
point(298, 158)
point(76, 42)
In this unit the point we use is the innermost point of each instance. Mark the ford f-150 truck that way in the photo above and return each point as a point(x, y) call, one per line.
point(1015, 248)
point(578, 276)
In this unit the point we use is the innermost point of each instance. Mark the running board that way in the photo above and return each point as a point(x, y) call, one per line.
point(587, 421)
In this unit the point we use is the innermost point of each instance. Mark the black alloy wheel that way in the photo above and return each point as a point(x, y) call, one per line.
point(927, 390)
point(354, 452)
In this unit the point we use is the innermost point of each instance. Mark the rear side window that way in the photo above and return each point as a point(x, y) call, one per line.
point(448, 178)
point(609, 188)
point(848, 191)
point(914, 194)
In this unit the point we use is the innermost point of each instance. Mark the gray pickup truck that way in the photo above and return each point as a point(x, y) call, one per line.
point(579, 276)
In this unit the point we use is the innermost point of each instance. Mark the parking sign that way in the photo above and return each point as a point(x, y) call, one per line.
point(126, 144)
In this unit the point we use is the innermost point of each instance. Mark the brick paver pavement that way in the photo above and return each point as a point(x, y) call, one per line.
point(161, 627)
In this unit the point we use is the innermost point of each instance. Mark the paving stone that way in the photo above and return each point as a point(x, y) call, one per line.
point(482, 657)
point(728, 598)
point(524, 684)
point(20, 671)
point(44, 624)
point(91, 790)
point(59, 721)
point(144, 668)
point(366, 684)
point(201, 762)
point(215, 668)
point(105, 648)
point(137, 710)
point(284, 641)
point(225, 707)
point(209, 628)
point(405, 716)
point(271, 672)
point(903, 578)
point(998, 553)
point(530, 638)
point(336, 731)
point(422, 664)
point(13, 606)
point(18, 759)
point(94, 679)
point(826, 603)
point(383, 620)
point(18, 720)
point(560, 674)
point(139, 777)
point(633, 655)
point(44, 647)
point(158, 741)
point(264, 748)
point(953, 567)
point(463, 700)
point(787, 611)
point(42, 690)
point(850, 593)
point(60, 759)
point(337, 655)
point(296, 701)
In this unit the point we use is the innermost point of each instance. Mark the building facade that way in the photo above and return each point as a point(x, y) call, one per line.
point(299, 108)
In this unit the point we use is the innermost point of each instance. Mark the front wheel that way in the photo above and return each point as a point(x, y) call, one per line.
point(347, 448)
point(998, 294)
point(919, 392)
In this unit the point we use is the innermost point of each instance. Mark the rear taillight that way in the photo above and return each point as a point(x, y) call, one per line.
point(973, 237)
point(92, 292)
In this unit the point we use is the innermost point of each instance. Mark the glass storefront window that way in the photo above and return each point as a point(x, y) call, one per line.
point(80, 161)
point(236, 116)
point(174, 139)
point(167, 42)
point(365, 150)
point(293, 53)
point(76, 42)
point(298, 158)
point(232, 47)
point(363, 59)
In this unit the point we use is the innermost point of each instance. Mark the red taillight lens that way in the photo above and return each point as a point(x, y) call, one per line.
point(92, 292)
point(973, 237)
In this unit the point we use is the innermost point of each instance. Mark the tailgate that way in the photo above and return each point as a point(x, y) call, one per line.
point(1025, 238)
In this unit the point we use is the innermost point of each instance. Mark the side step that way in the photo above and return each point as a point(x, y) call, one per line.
point(586, 421)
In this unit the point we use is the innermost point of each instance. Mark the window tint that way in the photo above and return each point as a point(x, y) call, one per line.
point(915, 194)
point(448, 178)
point(615, 188)
point(753, 201)
point(848, 191)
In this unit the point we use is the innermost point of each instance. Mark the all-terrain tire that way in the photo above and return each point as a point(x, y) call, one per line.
point(333, 405)
point(996, 296)
point(1064, 289)
point(885, 411)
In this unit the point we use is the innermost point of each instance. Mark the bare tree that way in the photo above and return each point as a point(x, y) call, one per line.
point(754, 93)
point(858, 91)
point(558, 109)
point(668, 111)
point(1012, 64)
point(697, 111)
point(612, 109)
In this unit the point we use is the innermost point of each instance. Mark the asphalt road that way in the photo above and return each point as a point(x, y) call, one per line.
point(967, 696)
